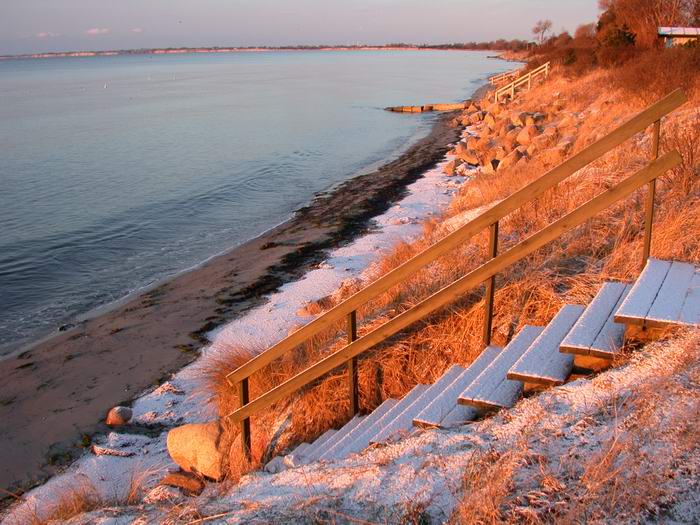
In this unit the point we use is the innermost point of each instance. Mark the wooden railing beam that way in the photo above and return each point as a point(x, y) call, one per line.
point(353, 389)
point(459, 287)
point(651, 195)
point(638, 123)
point(490, 291)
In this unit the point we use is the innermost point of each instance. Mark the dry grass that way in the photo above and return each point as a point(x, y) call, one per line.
point(628, 476)
point(531, 291)
point(82, 496)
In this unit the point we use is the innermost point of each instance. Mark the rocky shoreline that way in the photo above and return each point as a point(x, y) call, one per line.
point(57, 393)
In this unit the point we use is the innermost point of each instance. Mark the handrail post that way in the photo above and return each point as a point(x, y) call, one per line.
point(244, 399)
point(651, 194)
point(490, 286)
point(352, 366)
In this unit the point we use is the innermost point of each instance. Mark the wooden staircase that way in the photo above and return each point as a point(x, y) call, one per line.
point(578, 339)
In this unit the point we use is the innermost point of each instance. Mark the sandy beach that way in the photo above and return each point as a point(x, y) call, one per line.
point(57, 393)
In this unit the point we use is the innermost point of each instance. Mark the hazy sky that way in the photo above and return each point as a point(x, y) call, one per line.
point(51, 25)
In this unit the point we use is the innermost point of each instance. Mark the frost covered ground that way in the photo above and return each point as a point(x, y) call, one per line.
point(621, 447)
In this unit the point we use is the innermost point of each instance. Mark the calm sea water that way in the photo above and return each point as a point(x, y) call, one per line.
point(118, 171)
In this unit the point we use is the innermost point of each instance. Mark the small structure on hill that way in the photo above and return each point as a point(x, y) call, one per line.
point(679, 36)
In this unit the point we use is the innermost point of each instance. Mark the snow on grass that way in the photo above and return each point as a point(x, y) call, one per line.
point(558, 450)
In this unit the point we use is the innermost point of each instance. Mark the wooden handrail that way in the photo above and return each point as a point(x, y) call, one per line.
point(490, 218)
point(638, 123)
point(474, 278)
point(506, 74)
point(526, 79)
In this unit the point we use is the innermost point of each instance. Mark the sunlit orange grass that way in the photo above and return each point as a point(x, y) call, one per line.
point(531, 291)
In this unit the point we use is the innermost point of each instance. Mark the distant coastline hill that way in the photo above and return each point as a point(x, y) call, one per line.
point(497, 45)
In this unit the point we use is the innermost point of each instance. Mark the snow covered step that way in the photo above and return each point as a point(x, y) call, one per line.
point(320, 441)
point(596, 333)
point(492, 389)
point(318, 451)
point(362, 440)
point(443, 411)
point(543, 363)
point(370, 420)
point(672, 297)
point(404, 420)
point(690, 312)
point(665, 294)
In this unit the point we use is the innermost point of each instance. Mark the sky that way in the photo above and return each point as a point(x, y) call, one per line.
point(29, 26)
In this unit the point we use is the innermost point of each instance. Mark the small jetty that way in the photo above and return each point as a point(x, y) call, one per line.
point(430, 107)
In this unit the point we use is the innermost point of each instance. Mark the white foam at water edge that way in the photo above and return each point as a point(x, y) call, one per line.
point(180, 401)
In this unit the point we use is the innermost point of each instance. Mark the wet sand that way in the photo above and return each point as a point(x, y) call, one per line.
point(55, 395)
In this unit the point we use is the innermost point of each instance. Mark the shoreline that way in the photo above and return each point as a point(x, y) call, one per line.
point(59, 390)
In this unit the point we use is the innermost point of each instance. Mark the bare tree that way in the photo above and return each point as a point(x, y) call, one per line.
point(541, 28)
point(643, 17)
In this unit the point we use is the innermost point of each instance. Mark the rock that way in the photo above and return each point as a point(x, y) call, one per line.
point(500, 153)
point(118, 416)
point(470, 157)
point(532, 149)
point(518, 118)
point(463, 170)
point(490, 167)
point(568, 121)
point(510, 160)
point(197, 448)
point(105, 451)
point(472, 108)
point(189, 483)
point(472, 142)
point(476, 117)
point(490, 121)
point(566, 145)
point(551, 156)
point(482, 144)
point(542, 142)
point(526, 135)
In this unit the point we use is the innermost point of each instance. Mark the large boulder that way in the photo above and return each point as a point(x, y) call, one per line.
point(526, 135)
point(470, 157)
point(198, 448)
point(518, 118)
point(510, 160)
point(490, 121)
point(476, 117)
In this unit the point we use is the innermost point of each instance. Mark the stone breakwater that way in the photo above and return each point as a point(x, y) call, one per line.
point(501, 137)
point(429, 107)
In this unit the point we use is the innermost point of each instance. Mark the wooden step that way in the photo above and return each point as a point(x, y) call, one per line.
point(361, 440)
point(690, 313)
point(314, 453)
point(543, 363)
point(492, 389)
point(596, 333)
point(665, 294)
point(404, 420)
point(445, 403)
point(372, 418)
point(321, 440)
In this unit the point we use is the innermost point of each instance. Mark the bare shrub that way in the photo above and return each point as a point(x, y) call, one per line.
point(657, 72)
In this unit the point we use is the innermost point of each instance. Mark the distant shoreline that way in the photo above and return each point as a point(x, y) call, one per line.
point(214, 50)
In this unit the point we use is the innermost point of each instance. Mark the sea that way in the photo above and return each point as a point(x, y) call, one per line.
point(117, 172)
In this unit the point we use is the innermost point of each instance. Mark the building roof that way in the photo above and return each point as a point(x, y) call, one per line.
point(680, 31)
